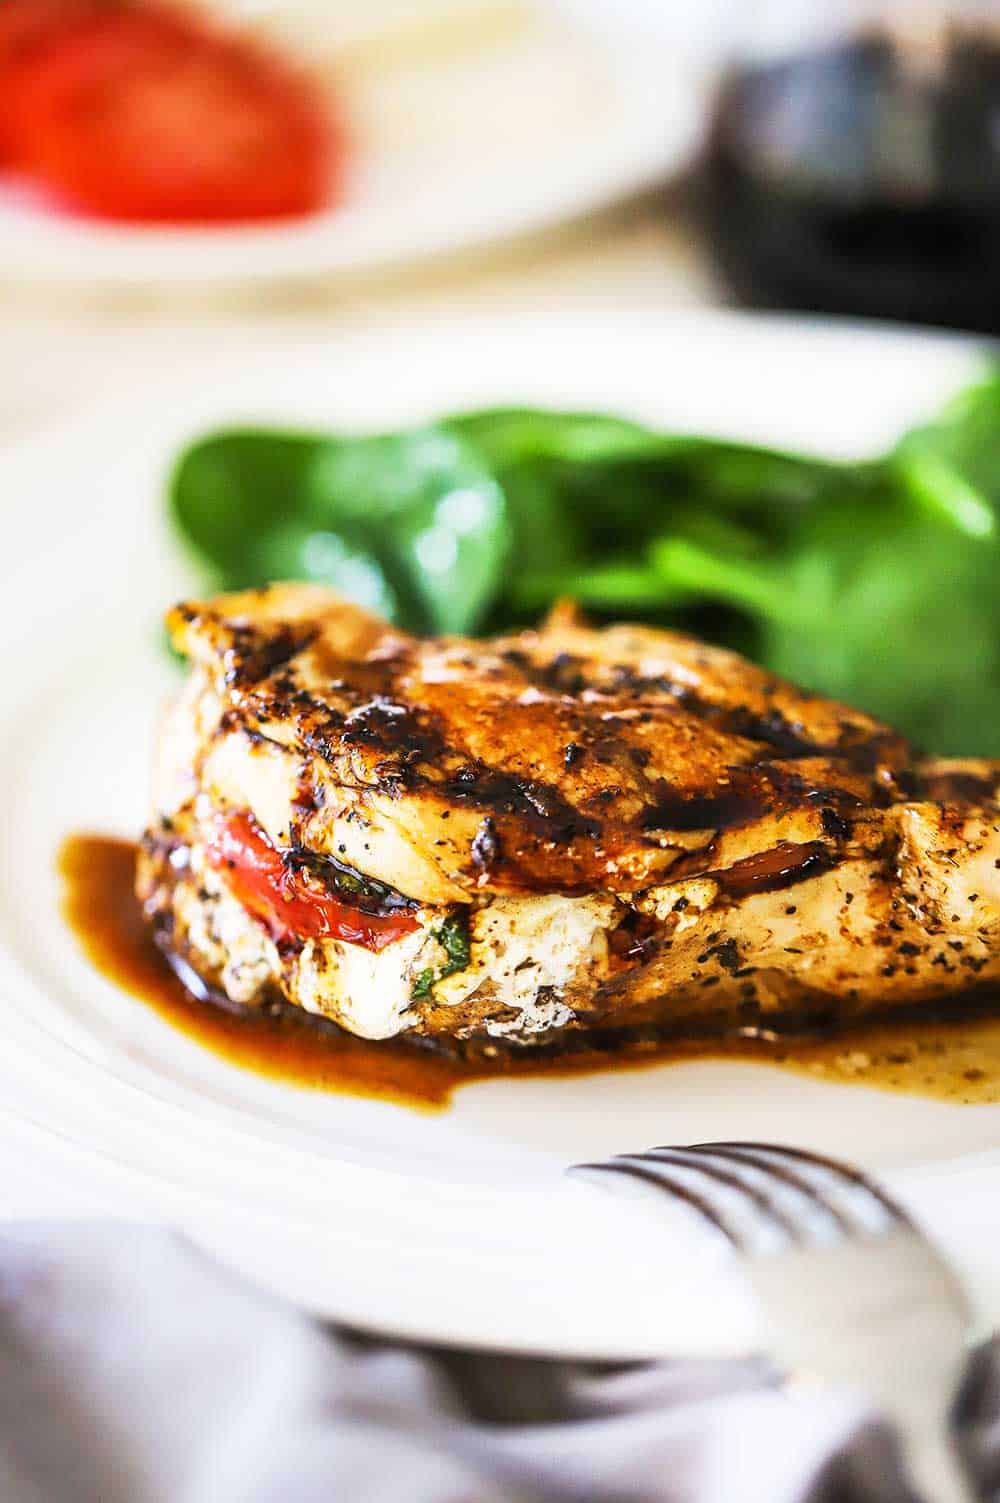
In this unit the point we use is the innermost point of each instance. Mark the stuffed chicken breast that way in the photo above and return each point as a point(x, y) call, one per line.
point(567, 829)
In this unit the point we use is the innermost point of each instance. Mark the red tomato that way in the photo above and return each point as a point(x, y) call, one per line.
point(291, 904)
point(28, 31)
point(139, 114)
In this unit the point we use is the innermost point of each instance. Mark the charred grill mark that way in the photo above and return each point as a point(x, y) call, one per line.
point(252, 655)
point(324, 740)
point(372, 682)
point(542, 807)
point(397, 730)
point(771, 729)
point(680, 809)
point(860, 749)
point(566, 674)
point(748, 794)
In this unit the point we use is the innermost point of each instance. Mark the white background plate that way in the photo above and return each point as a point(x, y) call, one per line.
point(461, 1226)
point(484, 151)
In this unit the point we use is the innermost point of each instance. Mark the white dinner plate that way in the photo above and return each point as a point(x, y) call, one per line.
point(529, 131)
point(459, 1226)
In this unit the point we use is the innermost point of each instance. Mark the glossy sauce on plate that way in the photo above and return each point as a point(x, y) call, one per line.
point(956, 1060)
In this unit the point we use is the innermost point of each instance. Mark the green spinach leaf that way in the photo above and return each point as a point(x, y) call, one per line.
point(873, 582)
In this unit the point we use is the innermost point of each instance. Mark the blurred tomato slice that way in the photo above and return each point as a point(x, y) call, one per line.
point(28, 29)
point(139, 114)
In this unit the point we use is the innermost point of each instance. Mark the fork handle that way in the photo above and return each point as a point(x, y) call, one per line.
point(932, 1459)
point(936, 1470)
point(876, 1316)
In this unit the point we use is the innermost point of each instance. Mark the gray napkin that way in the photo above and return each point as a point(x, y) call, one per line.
point(135, 1370)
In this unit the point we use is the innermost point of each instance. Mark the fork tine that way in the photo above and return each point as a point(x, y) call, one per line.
point(701, 1164)
point(846, 1173)
point(785, 1167)
point(674, 1188)
point(797, 1182)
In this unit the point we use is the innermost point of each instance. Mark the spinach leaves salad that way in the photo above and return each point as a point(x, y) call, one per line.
point(873, 582)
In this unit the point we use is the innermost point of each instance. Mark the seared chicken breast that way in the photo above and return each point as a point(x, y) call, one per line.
point(560, 831)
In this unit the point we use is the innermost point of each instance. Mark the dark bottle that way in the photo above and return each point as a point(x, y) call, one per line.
point(863, 176)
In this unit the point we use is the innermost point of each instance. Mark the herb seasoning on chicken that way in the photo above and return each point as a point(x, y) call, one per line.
point(569, 829)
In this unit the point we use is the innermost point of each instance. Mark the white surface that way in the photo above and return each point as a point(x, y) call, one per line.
point(602, 105)
point(461, 1226)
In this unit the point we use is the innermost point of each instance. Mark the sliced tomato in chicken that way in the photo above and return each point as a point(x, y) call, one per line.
point(292, 903)
point(139, 114)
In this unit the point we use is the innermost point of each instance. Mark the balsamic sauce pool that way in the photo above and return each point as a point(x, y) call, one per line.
point(956, 1060)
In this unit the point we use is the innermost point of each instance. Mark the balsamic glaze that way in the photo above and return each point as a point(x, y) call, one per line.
point(749, 793)
point(783, 865)
point(956, 1060)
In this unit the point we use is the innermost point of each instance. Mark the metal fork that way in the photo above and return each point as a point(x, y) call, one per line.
point(850, 1290)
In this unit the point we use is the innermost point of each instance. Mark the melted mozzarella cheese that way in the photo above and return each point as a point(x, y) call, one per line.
point(526, 953)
